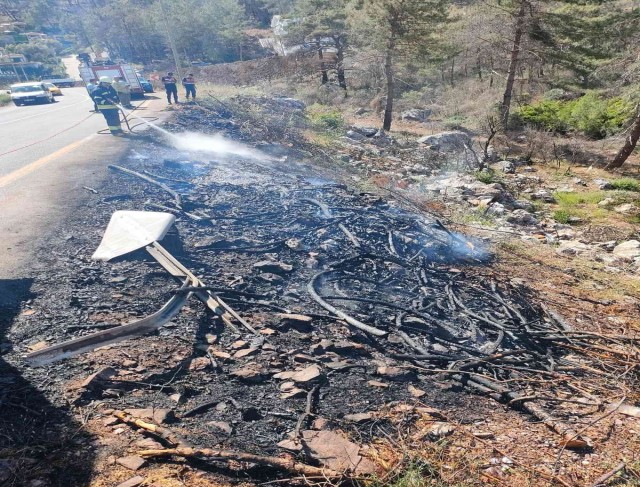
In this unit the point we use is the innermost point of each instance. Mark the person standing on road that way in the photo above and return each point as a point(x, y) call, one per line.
point(106, 98)
point(91, 86)
point(170, 86)
point(124, 91)
point(189, 83)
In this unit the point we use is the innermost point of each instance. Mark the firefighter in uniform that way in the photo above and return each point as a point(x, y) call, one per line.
point(105, 98)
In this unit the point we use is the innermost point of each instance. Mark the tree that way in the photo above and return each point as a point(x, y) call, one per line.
point(505, 106)
point(323, 23)
point(401, 28)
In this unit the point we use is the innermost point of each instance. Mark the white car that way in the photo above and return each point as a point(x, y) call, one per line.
point(33, 92)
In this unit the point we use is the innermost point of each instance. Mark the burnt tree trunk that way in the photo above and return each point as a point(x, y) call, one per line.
point(323, 67)
point(629, 144)
point(513, 64)
point(340, 63)
point(388, 68)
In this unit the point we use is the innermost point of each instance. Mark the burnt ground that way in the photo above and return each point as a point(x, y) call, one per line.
point(267, 235)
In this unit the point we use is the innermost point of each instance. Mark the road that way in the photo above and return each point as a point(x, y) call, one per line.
point(48, 154)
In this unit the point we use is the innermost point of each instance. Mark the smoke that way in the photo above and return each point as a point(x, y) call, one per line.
point(215, 144)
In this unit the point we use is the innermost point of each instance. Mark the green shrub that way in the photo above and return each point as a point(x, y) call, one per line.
point(486, 177)
point(555, 94)
point(325, 118)
point(4, 99)
point(592, 115)
point(626, 184)
point(572, 198)
point(562, 216)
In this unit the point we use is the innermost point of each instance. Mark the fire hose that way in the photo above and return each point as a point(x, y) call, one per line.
point(125, 120)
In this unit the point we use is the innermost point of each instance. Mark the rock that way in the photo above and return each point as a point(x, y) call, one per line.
point(239, 344)
point(522, 217)
point(245, 352)
point(507, 167)
point(210, 338)
point(219, 354)
point(272, 267)
point(629, 250)
point(313, 373)
point(111, 421)
point(148, 444)
point(340, 365)
point(297, 321)
point(301, 358)
point(607, 246)
point(160, 415)
point(284, 375)
point(132, 482)
point(322, 347)
point(355, 135)
point(573, 247)
point(290, 103)
point(293, 392)
point(360, 111)
point(199, 363)
point(415, 392)
point(358, 418)
point(416, 114)
point(336, 452)
point(103, 374)
point(377, 383)
point(543, 195)
point(271, 278)
point(607, 202)
point(366, 131)
point(441, 430)
point(132, 462)
point(396, 374)
point(446, 141)
point(525, 205)
point(252, 373)
point(221, 426)
point(602, 184)
point(496, 209)
point(627, 209)
point(578, 182)
point(347, 347)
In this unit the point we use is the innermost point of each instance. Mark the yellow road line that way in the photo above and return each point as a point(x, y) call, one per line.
point(35, 165)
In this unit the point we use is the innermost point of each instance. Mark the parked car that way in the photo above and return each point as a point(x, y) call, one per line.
point(53, 88)
point(33, 92)
point(61, 82)
point(146, 85)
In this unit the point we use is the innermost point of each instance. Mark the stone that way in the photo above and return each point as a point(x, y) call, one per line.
point(293, 392)
point(347, 347)
point(297, 321)
point(629, 250)
point(210, 338)
point(339, 365)
point(441, 430)
point(578, 182)
point(292, 103)
point(496, 209)
point(219, 354)
point(602, 184)
point(572, 247)
point(607, 246)
point(415, 392)
point(627, 209)
point(522, 205)
point(301, 358)
point(199, 363)
point(273, 267)
point(366, 131)
point(355, 135)
point(132, 482)
point(238, 344)
point(132, 462)
point(607, 202)
point(111, 421)
point(521, 217)
point(507, 167)
point(416, 115)
point(336, 452)
point(252, 373)
point(322, 347)
point(395, 374)
point(358, 418)
point(245, 352)
point(284, 375)
point(543, 195)
point(446, 141)
point(148, 444)
point(221, 426)
point(313, 373)
point(377, 383)
point(103, 374)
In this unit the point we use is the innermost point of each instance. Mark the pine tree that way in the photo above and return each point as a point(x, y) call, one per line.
point(401, 28)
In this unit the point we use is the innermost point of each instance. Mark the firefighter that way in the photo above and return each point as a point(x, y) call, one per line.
point(170, 87)
point(189, 83)
point(105, 97)
point(124, 91)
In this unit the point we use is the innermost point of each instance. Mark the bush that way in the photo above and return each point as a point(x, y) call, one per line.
point(325, 118)
point(4, 99)
point(593, 115)
point(626, 184)
point(562, 216)
point(486, 177)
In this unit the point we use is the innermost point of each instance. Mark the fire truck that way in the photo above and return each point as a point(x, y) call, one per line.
point(95, 69)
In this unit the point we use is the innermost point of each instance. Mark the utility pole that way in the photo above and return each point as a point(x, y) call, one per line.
point(172, 43)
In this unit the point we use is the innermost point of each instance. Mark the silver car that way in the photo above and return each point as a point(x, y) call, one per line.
point(33, 92)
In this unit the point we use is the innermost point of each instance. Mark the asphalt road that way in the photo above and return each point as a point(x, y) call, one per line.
point(48, 153)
